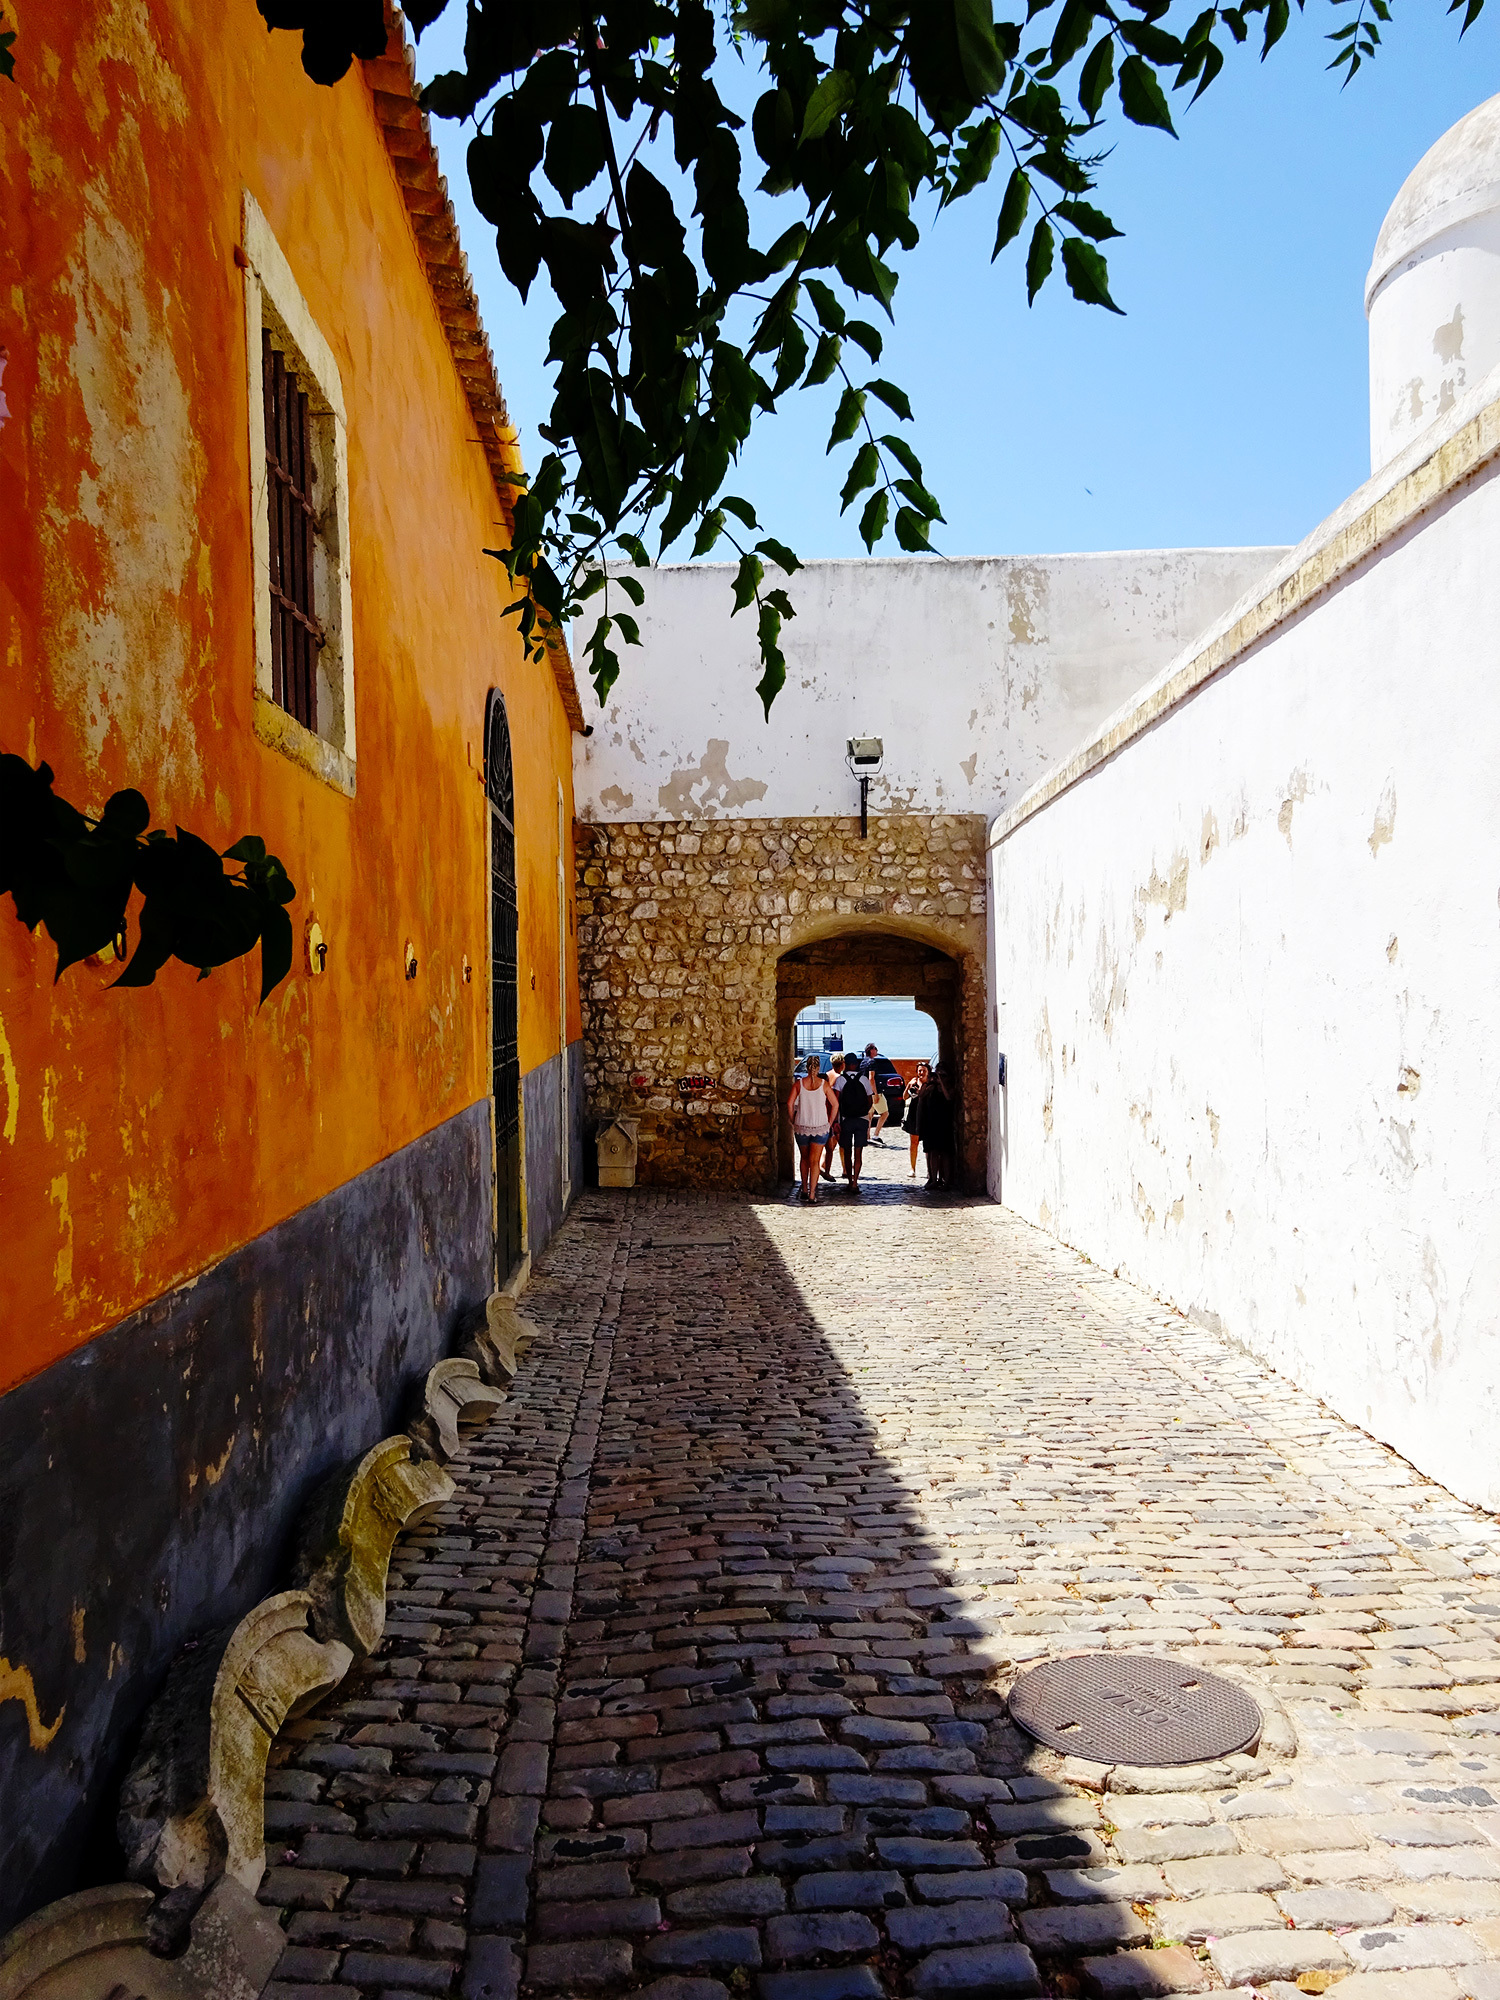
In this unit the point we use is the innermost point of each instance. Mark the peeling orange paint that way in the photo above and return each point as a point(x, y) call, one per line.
point(155, 1131)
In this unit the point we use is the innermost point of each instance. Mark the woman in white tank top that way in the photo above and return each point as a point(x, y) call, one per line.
point(813, 1108)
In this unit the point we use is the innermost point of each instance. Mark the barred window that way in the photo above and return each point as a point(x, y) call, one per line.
point(291, 473)
point(303, 698)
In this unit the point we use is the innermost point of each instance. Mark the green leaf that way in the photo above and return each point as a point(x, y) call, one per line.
point(1088, 220)
point(911, 532)
point(628, 626)
point(847, 417)
point(1278, 17)
point(632, 587)
point(1097, 75)
point(873, 520)
point(1038, 261)
point(575, 150)
point(900, 450)
point(976, 158)
point(773, 661)
point(866, 336)
point(893, 398)
point(1012, 210)
point(1154, 43)
point(864, 472)
point(1071, 32)
point(833, 96)
point(979, 54)
point(709, 531)
point(747, 580)
point(780, 554)
point(1141, 96)
point(825, 303)
point(741, 510)
point(1087, 273)
point(825, 360)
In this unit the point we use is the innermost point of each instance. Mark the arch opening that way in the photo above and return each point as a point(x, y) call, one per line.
point(884, 961)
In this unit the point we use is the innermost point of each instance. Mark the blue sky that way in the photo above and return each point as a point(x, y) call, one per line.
point(1228, 407)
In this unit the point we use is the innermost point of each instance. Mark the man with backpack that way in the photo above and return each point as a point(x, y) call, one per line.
point(854, 1121)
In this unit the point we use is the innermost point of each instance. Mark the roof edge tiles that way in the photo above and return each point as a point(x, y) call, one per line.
point(392, 79)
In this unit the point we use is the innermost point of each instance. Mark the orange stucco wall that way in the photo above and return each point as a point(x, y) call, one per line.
point(145, 1134)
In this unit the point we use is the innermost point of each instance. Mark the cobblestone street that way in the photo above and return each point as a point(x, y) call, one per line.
point(697, 1688)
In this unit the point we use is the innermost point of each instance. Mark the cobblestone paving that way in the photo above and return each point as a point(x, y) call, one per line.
point(697, 1687)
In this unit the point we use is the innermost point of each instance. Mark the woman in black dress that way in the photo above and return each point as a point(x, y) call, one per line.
point(912, 1113)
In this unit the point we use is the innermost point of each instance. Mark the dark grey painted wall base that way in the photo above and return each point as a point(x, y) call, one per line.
point(542, 1114)
point(150, 1483)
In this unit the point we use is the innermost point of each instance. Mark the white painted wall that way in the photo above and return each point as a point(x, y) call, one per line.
point(1247, 980)
point(977, 674)
point(1433, 292)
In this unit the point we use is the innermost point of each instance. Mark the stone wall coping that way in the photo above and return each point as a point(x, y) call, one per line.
point(1431, 468)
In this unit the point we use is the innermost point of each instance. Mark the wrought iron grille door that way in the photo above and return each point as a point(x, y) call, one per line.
point(499, 782)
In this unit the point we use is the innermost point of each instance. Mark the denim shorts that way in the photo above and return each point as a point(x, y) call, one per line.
point(855, 1131)
point(806, 1139)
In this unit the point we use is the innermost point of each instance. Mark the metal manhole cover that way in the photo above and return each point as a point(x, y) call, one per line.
point(1129, 1708)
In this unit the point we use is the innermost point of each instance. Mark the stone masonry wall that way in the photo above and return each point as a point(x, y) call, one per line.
point(680, 926)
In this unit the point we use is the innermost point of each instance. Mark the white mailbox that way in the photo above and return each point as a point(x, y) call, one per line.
point(618, 1144)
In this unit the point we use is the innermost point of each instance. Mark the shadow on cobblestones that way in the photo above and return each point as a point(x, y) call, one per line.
point(696, 1688)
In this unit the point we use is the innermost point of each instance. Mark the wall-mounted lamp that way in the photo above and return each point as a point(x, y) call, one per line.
point(866, 759)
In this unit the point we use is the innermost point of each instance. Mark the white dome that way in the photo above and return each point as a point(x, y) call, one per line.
point(1433, 293)
point(1454, 182)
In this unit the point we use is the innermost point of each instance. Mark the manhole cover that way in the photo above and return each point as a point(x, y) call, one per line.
point(1128, 1708)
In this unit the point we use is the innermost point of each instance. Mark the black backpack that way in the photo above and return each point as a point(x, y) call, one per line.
point(854, 1099)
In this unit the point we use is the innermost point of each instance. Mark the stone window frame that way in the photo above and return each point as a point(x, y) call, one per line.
point(274, 303)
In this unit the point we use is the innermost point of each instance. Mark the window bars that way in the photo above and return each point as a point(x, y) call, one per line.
point(296, 635)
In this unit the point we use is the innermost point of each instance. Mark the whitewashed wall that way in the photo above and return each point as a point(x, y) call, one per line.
point(1247, 981)
point(976, 673)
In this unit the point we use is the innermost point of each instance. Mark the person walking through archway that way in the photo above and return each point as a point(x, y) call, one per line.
point(854, 1121)
point(937, 1118)
point(913, 1112)
point(835, 1084)
point(813, 1108)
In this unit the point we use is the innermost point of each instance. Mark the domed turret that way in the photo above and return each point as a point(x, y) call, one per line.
point(1433, 293)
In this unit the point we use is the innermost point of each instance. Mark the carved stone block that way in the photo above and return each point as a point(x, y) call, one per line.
point(453, 1391)
point(346, 1537)
point(193, 1805)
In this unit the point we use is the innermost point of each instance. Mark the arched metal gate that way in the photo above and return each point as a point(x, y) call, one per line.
point(499, 785)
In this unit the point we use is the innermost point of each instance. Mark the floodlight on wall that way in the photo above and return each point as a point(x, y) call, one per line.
point(866, 759)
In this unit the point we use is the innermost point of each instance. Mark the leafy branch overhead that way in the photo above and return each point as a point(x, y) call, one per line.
point(605, 156)
point(75, 876)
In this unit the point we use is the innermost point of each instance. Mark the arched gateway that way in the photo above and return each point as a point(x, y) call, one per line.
point(872, 958)
point(700, 942)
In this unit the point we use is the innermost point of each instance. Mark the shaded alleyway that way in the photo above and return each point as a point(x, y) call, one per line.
point(697, 1687)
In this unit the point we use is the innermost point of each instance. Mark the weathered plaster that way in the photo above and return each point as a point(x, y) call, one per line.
point(1259, 1074)
point(289, 1358)
point(976, 673)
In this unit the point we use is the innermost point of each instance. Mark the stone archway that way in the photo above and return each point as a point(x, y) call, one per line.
point(688, 932)
point(875, 957)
